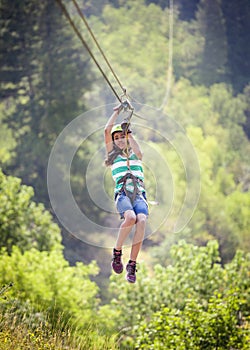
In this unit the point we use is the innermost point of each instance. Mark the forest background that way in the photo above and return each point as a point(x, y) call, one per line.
point(190, 81)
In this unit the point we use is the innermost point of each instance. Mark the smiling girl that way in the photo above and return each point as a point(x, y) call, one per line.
point(124, 156)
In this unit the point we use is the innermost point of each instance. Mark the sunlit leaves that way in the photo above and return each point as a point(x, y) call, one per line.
point(22, 221)
point(185, 299)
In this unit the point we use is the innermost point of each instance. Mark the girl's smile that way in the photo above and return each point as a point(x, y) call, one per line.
point(119, 139)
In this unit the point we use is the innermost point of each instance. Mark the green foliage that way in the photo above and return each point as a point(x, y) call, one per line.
point(7, 142)
point(218, 199)
point(187, 51)
point(42, 88)
point(140, 60)
point(50, 305)
point(219, 214)
point(47, 279)
point(48, 86)
point(195, 327)
point(22, 221)
point(211, 24)
point(190, 304)
point(19, 334)
point(194, 274)
point(236, 17)
point(237, 208)
point(213, 119)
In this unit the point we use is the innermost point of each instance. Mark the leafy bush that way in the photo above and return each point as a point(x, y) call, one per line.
point(215, 326)
point(47, 280)
point(50, 304)
point(195, 274)
point(22, 221)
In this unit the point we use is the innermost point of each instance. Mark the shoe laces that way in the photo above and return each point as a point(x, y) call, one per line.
point(131, 268)
point(117, 257)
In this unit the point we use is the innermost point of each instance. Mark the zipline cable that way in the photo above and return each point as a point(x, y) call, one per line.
point(67, 15)
point(98, 45)
point(125, 102)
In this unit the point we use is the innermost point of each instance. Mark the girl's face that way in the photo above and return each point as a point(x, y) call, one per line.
point(119, 140)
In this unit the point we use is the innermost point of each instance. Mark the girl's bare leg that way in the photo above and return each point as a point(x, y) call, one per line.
point(139, 236)
point(125, 228)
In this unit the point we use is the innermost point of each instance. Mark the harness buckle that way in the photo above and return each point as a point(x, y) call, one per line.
point(135, 180)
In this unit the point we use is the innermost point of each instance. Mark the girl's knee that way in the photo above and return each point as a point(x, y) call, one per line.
point(130, 217)
point(141, 219)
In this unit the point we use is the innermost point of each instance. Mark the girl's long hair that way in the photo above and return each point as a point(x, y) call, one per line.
point(114, 153)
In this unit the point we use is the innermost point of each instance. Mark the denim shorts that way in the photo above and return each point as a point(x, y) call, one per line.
point(139, 205)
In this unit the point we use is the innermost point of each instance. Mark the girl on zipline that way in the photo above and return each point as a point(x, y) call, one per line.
point(124, 156)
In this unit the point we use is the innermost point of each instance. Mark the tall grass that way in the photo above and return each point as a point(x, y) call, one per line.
point(23, 328)
point(16, 335)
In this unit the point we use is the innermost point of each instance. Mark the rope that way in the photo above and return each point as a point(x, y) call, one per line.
point(127, 141)
point(67, 15)
point(127, 151)
point(97, 44)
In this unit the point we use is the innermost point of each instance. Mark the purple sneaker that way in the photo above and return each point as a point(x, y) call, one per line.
point(116, 264)
point(131, 270)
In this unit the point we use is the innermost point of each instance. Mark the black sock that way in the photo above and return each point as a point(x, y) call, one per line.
point(117, 251)
point(132, 261)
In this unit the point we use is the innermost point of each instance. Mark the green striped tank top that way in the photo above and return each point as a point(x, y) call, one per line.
point(119, 169)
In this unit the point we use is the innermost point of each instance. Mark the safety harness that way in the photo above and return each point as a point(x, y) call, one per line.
point(129, 176)
point(135, 180)
point(125, 125)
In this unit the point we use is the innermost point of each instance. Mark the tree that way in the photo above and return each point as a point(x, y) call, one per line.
point(211, 24)
point(237, 22)
point(246, 125)
point(141, 60)
point(46, 291)
point(187, 9)
point(44, 85)
point(213, 119)
point(215, 326)
point(23, 222)
point(193, 274)
point(7, 141)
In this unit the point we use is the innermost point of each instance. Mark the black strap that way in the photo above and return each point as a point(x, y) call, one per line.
point(135, 180)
